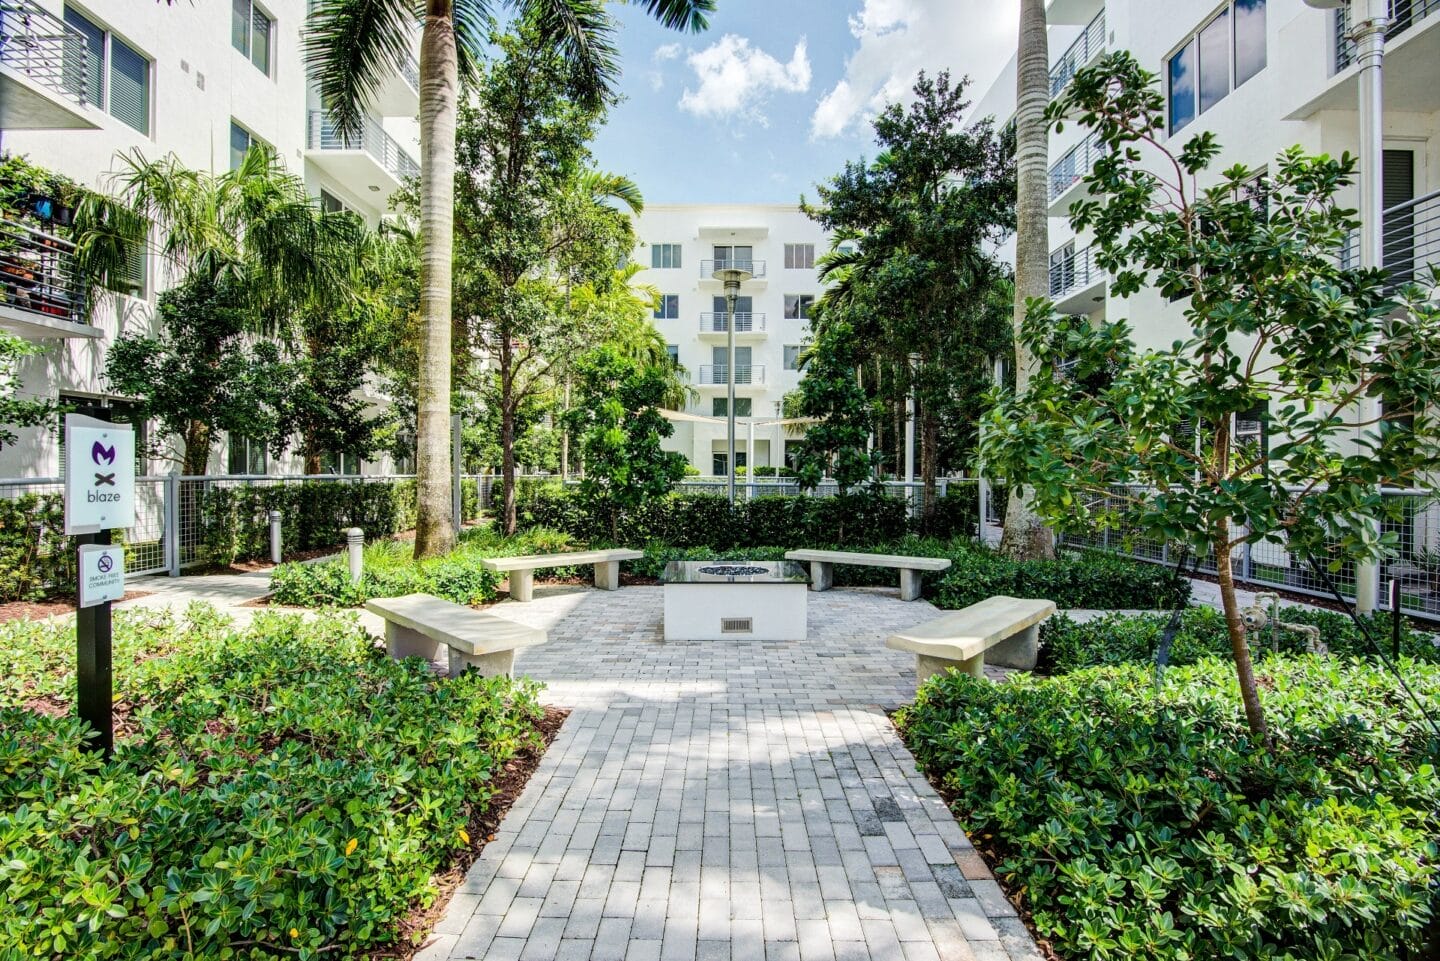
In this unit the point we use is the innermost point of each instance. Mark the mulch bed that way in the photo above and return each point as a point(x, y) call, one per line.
point(508, 785)
point(53, 607)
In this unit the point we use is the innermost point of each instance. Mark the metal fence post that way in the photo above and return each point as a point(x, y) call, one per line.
point(172, 523)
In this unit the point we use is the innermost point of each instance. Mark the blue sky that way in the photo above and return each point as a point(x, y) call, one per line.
point(776, 95)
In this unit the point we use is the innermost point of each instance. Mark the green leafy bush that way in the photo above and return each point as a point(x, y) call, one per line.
point(36, 558)
point(288, 789)
point(1139, 823)
point(1091, 580)
point(390, 570)
point(1066, 645)
point(658, 555)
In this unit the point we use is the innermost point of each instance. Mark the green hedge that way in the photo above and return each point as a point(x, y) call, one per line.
point(1090, 580)
point(287, 790)
point(235, 521)
point(1137, 823)
point(390, 570)
point(36, 558)
point(1066, 645)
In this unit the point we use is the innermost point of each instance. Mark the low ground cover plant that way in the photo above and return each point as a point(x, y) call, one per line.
point(284, 790)
point(391, 570)
point(1139, 822)
point(1066, 645)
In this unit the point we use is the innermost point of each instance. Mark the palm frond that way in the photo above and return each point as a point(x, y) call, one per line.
point(350, 47)
point(688, 15)
point(607, 186)
point(584, 34)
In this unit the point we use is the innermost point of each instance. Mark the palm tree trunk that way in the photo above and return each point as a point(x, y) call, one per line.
point(434, 529)
point(1026, 536)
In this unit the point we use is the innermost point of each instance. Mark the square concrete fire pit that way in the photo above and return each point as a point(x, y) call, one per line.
point(735, 600)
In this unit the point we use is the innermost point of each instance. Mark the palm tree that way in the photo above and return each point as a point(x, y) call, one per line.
point(1026, 536)
point(351, 47)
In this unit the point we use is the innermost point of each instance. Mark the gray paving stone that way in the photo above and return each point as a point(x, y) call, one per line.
point(746, 800)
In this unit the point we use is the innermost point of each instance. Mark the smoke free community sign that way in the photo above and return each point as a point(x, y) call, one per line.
point(99, 475)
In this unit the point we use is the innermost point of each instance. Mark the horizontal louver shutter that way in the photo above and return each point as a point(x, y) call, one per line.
point(94, 56)
point(129, 86)
point(260, 42)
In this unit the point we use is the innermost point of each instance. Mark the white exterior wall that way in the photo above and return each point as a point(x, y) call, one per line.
point(198, 83)
point(1298, 98)
point(698, 229)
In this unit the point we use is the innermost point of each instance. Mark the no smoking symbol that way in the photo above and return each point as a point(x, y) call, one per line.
point(105, 563)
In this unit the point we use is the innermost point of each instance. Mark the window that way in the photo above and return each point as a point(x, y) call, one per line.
point(665, 256)
point(794, 450)
point(339, 462)
point(1251, 432)
point(240, 141)
point(250, 33)
point(797, 306)
point(117, 76)
point(1226, 52)
point(331, 204)
point(673, 350)
point(133, 276)
point(668, 307)
point(792, 356)
point(741, 257)
point(720, 459)
point(247, 455)
point(719, 406)
point(800, 256)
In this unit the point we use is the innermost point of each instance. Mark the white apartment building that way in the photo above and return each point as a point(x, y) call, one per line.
point(83, 81)
point(680, 246)
point(1263, 75)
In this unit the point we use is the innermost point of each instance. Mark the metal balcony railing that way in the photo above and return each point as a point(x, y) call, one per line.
point(1409, 243)
point(745, 323)
point(323, 134)
point(410, 70)
point(715, 374)
point(1074, 166)
point(708, 268)
point(43, 47)
point(1074, 272)
point(37, 273)
point(1086, 47)
point(1403, 15)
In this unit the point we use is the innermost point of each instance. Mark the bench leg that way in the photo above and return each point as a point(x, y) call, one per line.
point(522, 585)
point(489, 665)
point(909, 585)
point(607, 575)
point(402, 642)
point(927, 667)
point(822, 575)
point(1019, 651)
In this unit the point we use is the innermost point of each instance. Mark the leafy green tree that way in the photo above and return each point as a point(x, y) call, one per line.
point(911, 272)
point(618, 422)
point(837, 442)
point(1145, 441)
point(351, 47)
point(15, 410)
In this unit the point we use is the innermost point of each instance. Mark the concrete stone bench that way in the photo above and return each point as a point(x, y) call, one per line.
point(522, 569)
point(417, 625)
point(822, 568)
point(1004, 630)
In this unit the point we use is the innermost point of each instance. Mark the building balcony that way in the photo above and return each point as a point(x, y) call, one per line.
point(1409, 243)
point(42, 70)
point(748, 325)
point(1086, 49)
point(746, 375)
point(1069, 173)
point(1077, 285)
point(40, 295)
point(1404, 14)
point(708, 268)
point(398, 93)
point(1059, 12)
point(1412, 50)
point(370, 160)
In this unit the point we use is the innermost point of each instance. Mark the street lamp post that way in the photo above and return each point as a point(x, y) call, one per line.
point(732, 275)
point(1369, 20)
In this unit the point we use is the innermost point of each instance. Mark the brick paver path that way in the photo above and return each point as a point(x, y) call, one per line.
point(738, 800)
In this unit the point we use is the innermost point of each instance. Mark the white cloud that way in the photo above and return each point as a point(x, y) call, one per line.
point(666, 52)
point(737, 80)
point(899, 38)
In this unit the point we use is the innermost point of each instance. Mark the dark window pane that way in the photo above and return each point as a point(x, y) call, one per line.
point(1215, 61)
point(260, 42)
point(129, 86)
point(240, 25)
point(239, 145)
point(94, 56)
point(1182, 87)
point(1249, 39)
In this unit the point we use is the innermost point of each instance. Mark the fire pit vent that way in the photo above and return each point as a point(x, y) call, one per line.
point(737, 625)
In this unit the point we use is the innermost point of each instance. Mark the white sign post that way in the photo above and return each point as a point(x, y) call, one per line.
point(99, 497)
point(102, 574)
point(99, 475)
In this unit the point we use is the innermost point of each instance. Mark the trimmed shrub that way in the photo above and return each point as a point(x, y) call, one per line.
point(1143, 823)
point(287, 789)
point(1066, 645)
point(658, 555)
point(36, 557)
point(1092, 580)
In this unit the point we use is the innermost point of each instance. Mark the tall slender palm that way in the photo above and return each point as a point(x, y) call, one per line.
point(352, 45)
point(1026, 536)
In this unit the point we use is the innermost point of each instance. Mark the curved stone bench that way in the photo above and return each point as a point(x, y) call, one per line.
point(822, 568)
point(418, 625)
point(522, 569)
point(1006, 630)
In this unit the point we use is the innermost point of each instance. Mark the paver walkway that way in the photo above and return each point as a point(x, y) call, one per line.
point(739, 800)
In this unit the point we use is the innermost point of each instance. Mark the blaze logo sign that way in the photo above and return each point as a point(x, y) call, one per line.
point(99, 475)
